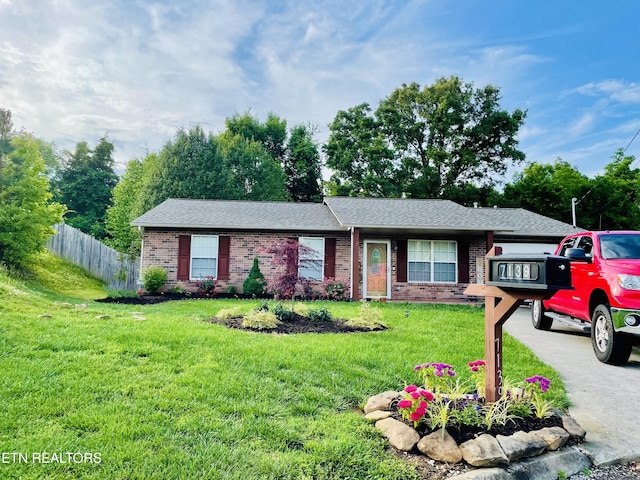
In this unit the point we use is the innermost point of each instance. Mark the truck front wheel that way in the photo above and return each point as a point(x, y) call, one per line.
point(538, 318)
point(610, 347)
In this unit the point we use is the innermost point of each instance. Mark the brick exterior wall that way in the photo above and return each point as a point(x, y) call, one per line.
point(440, 292)
point(160, 247)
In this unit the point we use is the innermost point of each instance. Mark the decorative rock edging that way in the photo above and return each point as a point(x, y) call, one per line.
point(484, 451)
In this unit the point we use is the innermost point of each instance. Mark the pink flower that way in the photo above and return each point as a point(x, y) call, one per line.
point(405, 404)
point(410, 388)
point(420, 411)
point(423, 405)
point(428, 395)
point(415, 395)
point(415, 416)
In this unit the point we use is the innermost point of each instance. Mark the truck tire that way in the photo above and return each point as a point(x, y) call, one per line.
point(538, 318)
point(610, 347)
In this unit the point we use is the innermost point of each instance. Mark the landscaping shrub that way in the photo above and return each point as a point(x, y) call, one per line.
point(260, 320)
point(154, 278)
point(227, 313)
point(369, 317)
point(283, 313)
point(335, 289)
point(320, 315)
point(255, 284)
point(207, 286)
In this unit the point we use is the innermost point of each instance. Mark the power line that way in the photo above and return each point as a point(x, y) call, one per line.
point(623, 151)
point(631, 141)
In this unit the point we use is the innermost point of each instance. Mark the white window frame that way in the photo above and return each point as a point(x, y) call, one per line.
point(432, 259)
point(319, 258)
point(212, 253)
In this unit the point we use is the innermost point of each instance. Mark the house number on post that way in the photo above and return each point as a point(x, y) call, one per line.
point(534, 278)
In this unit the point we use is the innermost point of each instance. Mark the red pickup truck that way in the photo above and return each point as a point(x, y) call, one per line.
point(605, 274)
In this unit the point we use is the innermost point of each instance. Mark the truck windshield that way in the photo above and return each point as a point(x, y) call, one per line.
point(620, 246)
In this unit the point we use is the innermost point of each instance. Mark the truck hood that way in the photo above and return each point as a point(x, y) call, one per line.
point(631, 267)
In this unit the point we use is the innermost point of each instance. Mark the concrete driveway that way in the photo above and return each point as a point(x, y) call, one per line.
point(605, 399)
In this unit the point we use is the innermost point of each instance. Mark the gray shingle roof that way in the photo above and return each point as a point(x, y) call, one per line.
point(525, 223)
point(238, 214)
point(341, 213)
point(398, 213)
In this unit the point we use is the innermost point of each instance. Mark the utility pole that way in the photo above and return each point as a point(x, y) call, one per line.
point(573, 210)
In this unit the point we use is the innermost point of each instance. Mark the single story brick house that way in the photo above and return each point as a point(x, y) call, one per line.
point(395, 249)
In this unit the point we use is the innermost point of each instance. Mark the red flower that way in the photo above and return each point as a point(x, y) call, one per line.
point(415, 416)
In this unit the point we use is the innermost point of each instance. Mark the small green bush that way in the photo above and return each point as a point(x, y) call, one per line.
point(207, 286)
point(301, 309)
point(255, 284)
point(154, 278)
point(369, 317)
point(260, 321)
point(231, 289)
point(283, 312)
point(320, 315)
point(335, 289)
point(227, 313)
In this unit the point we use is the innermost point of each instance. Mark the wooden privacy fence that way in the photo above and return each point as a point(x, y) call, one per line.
point(101, 260)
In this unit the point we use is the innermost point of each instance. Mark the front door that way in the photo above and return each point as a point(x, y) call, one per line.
point(377, 271)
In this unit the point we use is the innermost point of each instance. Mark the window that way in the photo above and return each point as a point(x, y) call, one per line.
point(204, 256)
point(311, 262)
point(432, 261)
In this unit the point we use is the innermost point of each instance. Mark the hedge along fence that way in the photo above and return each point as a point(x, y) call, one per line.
point(101, 260)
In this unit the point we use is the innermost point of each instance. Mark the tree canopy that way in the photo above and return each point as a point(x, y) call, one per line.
point(85, 184)
point(607, 201)
point(424, 142)
point(27, 212)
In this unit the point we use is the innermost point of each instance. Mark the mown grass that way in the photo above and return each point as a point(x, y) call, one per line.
point(174, 396)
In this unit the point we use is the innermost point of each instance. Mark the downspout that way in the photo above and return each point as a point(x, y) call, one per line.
point(141, 230)
point(355, 263)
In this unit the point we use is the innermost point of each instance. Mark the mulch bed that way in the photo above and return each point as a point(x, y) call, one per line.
point(299, 324)
point(164, 297)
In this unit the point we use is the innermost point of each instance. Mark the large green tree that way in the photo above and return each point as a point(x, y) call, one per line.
point(272, 134)
point(123, 210)
point(85, 184)
point(27, 212)
point(613, 199)
point(6, 134)
point(607, 201)
point(254, 173)
point(424, 142)
point(302, 166)
point(547, 189)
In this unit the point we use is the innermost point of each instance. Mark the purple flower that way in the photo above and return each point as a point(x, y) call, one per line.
point(540, 380)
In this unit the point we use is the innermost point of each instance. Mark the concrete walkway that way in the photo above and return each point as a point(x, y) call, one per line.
point(605, 399)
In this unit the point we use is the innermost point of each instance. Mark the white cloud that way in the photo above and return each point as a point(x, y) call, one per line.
point(582, 125)
point(615, 90)
point(140, 70)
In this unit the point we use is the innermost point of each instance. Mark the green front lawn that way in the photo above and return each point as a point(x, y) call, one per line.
point(174, 396)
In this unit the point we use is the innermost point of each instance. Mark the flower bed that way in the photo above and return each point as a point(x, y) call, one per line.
point(447, 418)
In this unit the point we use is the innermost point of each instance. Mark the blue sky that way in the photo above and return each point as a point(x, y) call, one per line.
point(73, 70)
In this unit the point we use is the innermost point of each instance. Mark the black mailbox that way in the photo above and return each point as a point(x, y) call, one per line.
point(533, 272)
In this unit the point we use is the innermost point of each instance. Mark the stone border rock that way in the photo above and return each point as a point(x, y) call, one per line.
point(485, 451)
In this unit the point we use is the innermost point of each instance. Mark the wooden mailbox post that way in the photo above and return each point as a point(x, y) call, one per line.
point(511, 281)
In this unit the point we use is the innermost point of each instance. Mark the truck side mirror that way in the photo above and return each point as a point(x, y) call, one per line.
point(577, 254)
